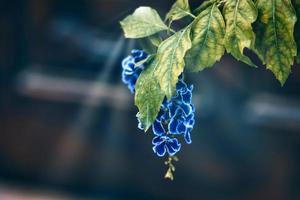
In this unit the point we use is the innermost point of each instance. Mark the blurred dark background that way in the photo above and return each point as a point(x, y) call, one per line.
point(68, 128)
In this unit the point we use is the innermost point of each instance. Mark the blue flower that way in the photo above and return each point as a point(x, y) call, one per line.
point(163, 144)
point(158, 128)
point(183, 124)
point(140, 124)
point(176, 117)
point(130, 71)
point(181, 111)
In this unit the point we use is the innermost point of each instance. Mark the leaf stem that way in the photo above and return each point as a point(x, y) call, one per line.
point(173, 31)
point(190, 14)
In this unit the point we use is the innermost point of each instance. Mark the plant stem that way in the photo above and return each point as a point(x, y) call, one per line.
point(190, 14)
point(170, 29)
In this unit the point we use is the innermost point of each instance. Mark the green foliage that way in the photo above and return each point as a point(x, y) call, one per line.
point(145, 61)
point(150, 44)
point(297, 31)
point(266, 27)
point(144, 22)
point(171, 54)
point(207, 39)
point(179, 10)
point(275, 44)
point(155, 40)
point(239, 15)
point(148, 96)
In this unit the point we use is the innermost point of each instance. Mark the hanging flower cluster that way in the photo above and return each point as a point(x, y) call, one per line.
point(130, 71)
point(202, 36)
point(176, 116)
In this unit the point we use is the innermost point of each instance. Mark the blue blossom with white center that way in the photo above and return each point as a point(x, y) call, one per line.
point(130, 71)
point(176, 117)
point(163, 144)
point(183, 124)
point(181, 111)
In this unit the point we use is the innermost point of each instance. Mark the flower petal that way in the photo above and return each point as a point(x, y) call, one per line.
point(160, 149)
point(157, 140)
point(126, 60)
point(130, 72)
point(136, 52)
point(186, 97)
point(180, 85)
point(140, 125)
point(187, 137)
point(173, 126)
point(172, 109)
point(158, 128)
point(172, 146)
point(181, 128)
point(187, 108)
point(138, 55)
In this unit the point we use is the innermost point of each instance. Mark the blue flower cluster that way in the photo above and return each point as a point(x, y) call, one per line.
point(130, 71)
point(176, 116)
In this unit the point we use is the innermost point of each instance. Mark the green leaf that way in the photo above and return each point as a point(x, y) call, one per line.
point(297, 31)
point(150, 44)
point(144, 22)
point(207, 35)
point(144, 61)
point(239, 15)
point(147, 46)
point(179, 10)
point(155, 40)
point(171, 64)
point(275, 44)
point(148, 95)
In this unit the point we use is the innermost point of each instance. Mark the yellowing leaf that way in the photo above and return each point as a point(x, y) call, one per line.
point(239, 15)
point(148, 96)
point(297, 31)
point(275, 43)
point(144, 22)
point(179, 10)
point(171, 63)
point(207, 35)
